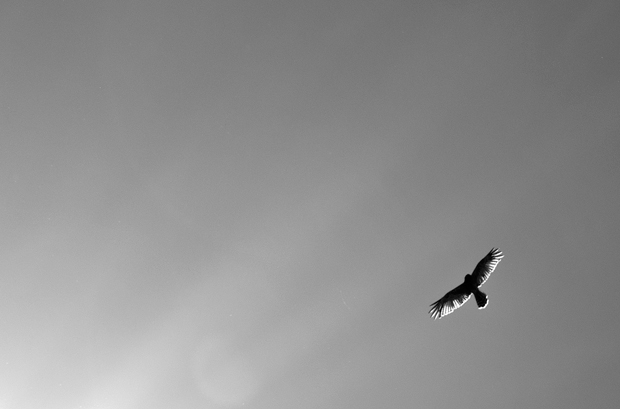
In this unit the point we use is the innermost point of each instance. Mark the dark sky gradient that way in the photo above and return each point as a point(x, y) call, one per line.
point(221, 204)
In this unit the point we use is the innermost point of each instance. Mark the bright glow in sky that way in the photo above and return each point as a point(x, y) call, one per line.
point(221, 204)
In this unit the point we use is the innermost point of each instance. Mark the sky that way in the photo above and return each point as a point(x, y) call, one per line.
point(224, 204)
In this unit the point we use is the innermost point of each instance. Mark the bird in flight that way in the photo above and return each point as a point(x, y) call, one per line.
point(458, 296)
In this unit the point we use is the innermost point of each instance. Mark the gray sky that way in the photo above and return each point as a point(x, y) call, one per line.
point(220, 204)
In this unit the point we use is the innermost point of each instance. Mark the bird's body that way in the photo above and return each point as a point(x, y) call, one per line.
point(458, 296)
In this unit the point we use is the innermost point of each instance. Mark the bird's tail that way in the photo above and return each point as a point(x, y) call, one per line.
point(481, 299)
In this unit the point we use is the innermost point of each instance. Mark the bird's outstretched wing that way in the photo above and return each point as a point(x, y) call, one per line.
point(485, 267)
point(450, 302)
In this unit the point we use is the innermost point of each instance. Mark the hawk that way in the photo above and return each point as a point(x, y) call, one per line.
point(458, 296)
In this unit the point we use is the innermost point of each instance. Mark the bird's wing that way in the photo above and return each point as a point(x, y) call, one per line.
point(449, 302)
point(485, 267)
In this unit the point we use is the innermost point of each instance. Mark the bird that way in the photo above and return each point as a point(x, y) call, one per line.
point(459, 295)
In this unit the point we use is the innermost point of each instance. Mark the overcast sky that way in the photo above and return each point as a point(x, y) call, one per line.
point(222, 204)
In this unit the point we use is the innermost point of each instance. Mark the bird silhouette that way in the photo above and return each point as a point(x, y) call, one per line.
point(458, 296)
